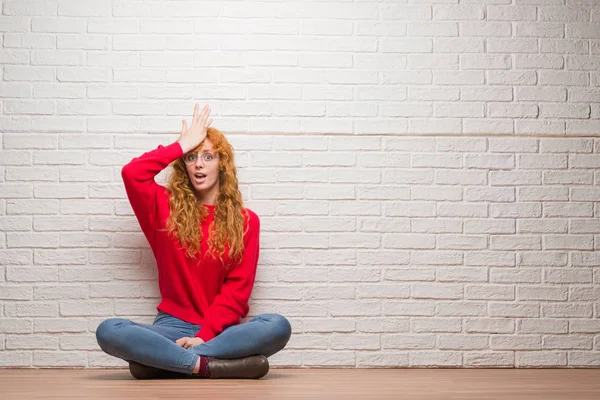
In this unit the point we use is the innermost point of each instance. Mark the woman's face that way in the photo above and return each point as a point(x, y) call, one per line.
point(204, 170)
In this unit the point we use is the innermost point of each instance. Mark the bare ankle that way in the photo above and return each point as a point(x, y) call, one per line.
point(197, 367)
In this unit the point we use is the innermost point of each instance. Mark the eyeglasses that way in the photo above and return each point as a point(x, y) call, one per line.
point(207, 158)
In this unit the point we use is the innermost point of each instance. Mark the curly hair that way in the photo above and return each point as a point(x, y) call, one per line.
point(187, 211)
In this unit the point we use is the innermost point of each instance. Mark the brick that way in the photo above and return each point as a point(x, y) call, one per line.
point(511, 13)
point(59, 359)
point(454, 309)
point(31, 342)
point(409, 308)
point(15, 325)
point(485, 28)
point(541, 293)
point(489, 325)
point(376, 324)
point(512, 45)
point(353, 341)
point(377, 359)
point(407, 342)
point(328, 325)
point(16, 358)
point(489, 292)
point(491, 359)
point(517, 310)
point(539, 359)
point(542, 326)
point(583, 358)
point(570, 342)
point(516, 342)
point(463, 342)
point(440, 358)
point(329, 358)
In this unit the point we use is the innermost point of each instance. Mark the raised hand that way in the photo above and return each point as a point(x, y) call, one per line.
point(191, 137)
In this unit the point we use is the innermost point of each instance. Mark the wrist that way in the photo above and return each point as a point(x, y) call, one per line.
point(184, 147)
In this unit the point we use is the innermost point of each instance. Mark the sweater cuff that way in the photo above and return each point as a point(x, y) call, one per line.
point(175, 149)
point(205, 334)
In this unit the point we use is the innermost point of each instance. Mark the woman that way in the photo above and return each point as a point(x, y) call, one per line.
point(206, 246)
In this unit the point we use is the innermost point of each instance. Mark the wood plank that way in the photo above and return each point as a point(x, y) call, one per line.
point(322, 383)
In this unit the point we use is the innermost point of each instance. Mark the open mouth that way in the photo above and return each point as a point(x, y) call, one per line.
point(200, 177)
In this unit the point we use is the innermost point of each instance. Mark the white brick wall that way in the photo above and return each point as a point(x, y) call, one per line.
point(425, 172)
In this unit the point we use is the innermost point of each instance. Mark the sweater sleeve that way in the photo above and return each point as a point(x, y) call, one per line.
point(142, 190)
point(231, 303)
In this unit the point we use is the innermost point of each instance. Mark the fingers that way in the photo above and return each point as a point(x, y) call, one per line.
point(200, 118)
point(184, 127)
point(204, 115)
point(195, 116)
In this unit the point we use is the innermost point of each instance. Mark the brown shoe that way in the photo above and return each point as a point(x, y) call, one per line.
point(252, 367)
point(141, 371)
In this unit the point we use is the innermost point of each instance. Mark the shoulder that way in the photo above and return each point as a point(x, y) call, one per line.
point(251, 219)
point(251, 216)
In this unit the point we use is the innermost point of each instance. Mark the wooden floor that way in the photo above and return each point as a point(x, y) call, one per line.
point(284, 384)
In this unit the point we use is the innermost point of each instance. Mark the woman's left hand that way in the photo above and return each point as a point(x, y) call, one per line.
point(187, 342)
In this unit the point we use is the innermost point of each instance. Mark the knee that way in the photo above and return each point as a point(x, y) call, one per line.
point(282, 329)
point(105, 332)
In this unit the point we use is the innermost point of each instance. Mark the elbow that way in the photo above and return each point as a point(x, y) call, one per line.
point(126, 172)
point(128, 177)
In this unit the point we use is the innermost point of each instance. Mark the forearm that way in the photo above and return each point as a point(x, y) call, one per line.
point(141, 188)
point(185, 146)
point(151, 163)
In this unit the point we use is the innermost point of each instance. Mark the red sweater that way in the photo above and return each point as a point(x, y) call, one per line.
point(199, 290)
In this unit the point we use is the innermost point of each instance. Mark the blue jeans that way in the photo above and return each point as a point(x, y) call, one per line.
point(154, 345)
